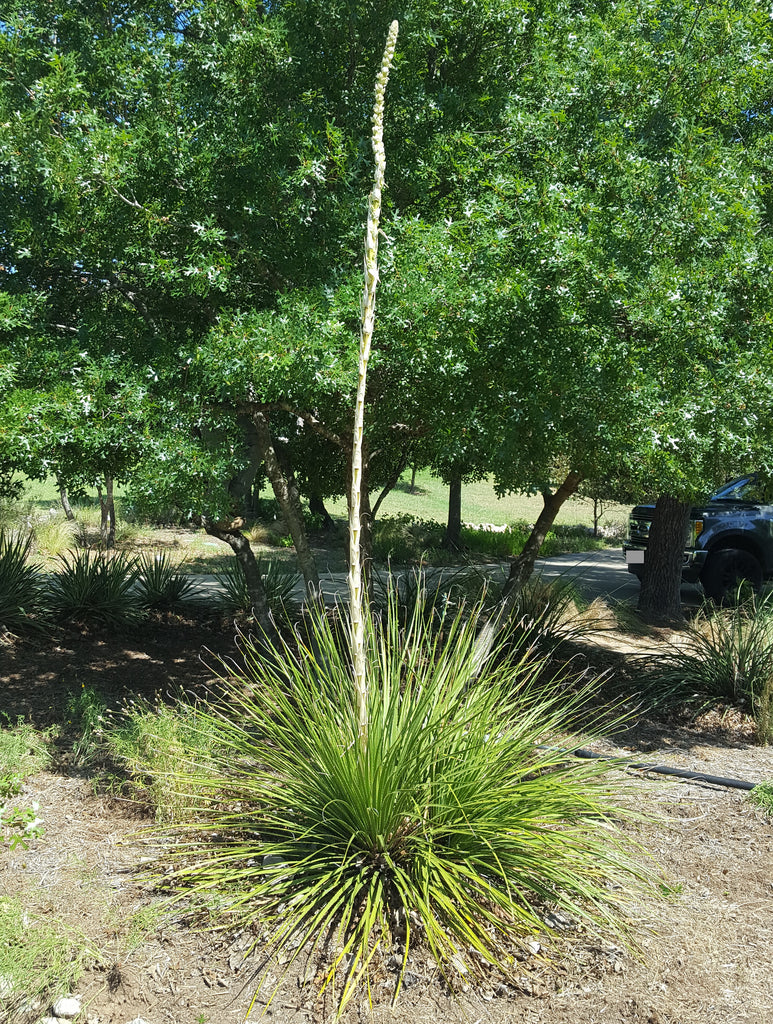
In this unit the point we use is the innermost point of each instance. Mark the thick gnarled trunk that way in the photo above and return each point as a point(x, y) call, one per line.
point(240, 487)
point(230, 531)
point(660, 598)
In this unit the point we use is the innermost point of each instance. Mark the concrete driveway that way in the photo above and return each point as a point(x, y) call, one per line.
point(605, 574)
point(596, 574)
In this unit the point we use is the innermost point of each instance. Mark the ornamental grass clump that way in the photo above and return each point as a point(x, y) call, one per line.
point(456, 825)
point(21, 582)
point(151, 740)
point(279, 581)
point(160, 582)
point(97, 586)
point(725, 656)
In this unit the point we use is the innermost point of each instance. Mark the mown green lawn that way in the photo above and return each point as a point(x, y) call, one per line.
point(480, 503)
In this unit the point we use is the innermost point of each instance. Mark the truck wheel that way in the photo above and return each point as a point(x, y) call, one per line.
point(725, 570)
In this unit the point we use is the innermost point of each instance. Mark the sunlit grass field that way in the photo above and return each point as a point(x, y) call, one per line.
point(480, 503)
point(395, 541)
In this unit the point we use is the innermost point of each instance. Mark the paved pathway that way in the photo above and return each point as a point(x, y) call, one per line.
point(605, 574)
point(597, 574)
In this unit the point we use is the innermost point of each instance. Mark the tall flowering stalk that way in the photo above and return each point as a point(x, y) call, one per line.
point(367, 317)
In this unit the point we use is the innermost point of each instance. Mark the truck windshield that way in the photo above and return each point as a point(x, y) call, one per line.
point(746, 488)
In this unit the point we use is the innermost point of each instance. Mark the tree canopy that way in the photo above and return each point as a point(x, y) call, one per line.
point(576, 268)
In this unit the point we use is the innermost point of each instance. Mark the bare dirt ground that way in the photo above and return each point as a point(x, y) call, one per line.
point(706, 948)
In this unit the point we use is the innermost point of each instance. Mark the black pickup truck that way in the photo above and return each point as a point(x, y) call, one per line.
point(729, 539)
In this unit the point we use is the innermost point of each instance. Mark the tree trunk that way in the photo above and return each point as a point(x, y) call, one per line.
point(289, 501)
point(64, 499)
point(231, 533)
point(523, 566)
point(240, 486)
point(660, 597)
point(453, 534)
point(317, 506)
point(107, 513)
point(389, 486)
point(412, 488)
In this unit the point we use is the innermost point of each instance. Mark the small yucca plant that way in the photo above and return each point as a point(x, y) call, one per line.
point(97, 586)
point(21, 582)
point(279, 582)
point(547, 613)
point(160, 582)
point(439, 592)
point(458, 824)
point(726, 655)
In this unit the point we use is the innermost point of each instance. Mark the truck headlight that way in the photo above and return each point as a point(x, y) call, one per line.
point(696, 529)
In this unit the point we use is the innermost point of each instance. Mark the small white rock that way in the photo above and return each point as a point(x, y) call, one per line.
point(67, 1007)
point(138, 1020)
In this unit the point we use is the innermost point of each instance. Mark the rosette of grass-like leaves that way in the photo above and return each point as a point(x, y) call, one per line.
point(461, 823)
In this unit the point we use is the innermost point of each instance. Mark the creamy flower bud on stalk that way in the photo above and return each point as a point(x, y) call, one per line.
point(367, 315)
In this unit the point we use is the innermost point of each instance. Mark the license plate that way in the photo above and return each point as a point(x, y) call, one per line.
point(634, 557)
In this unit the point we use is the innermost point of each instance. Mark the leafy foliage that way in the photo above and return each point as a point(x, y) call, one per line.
point(576, 197)
point(443, 830)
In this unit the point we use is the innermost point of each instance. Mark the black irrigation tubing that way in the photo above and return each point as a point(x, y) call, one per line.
point(679, 773)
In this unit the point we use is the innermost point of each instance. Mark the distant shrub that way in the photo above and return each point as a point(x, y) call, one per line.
point(53, 533)
point(508, 541)
point(404, 539)
point(88, 522)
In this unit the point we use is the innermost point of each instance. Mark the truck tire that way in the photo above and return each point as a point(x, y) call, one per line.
point(725, 570)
